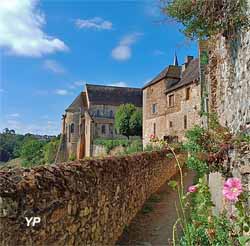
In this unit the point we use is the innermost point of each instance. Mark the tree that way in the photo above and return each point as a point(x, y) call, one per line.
point(32, 152)
point(50, 150)
point(128, 120)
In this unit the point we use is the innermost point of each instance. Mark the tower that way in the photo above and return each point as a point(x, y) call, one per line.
point(175, 60)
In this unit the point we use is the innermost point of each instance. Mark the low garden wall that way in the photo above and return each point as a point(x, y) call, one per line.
point(85, 202)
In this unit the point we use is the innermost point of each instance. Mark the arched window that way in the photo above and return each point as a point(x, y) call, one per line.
point(72, 128)
point(111, 114)
point(103, 129)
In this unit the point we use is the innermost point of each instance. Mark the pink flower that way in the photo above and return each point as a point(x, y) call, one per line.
point(192, 188)
point(152, 136)
point(232, 189)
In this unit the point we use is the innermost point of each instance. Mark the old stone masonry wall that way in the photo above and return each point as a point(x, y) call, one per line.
point(229, 79)
point(79, 203)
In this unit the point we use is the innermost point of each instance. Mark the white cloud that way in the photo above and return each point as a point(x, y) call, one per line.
point(120, 84)
point(54, 66)
point(95, 23)
point(21, 31)
point(123, 50)
point(61, 92)
point(15, 115)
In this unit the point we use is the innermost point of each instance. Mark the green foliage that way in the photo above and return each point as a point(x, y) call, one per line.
point(10, 144)
point(32, 153)
point(195, 137)
point(72, 157)
point(203, 18)
point(109, 144)
point(31, 150)
point(135, 123)
point(130, 146)
point(50, 151)
point(197, 165)
point(128, 120)
point(134, 147)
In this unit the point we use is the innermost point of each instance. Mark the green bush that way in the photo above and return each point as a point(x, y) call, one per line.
point(50, 150)
point(32, 153)
point(134, 147)
point(109, 144)
point(72, 157)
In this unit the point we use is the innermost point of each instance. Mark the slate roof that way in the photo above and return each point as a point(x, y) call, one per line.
point(79, 102)
point(190, 74)
point(113, 95)
point(170, 72)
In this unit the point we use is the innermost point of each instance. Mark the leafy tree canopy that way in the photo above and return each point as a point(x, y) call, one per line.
point(128, 120)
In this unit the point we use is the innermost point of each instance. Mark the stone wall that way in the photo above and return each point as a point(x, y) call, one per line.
point(228, 80)
point(80, 203)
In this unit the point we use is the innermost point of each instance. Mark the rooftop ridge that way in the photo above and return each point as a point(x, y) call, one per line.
point(113, 86)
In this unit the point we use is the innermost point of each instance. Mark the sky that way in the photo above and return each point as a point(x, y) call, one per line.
point(50, 48)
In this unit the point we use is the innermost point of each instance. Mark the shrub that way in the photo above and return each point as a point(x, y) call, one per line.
point(32, 153)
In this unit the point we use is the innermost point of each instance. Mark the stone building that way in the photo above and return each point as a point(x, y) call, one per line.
point(90, 116)
point(171, 101)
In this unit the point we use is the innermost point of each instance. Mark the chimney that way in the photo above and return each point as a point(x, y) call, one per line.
point(188, 59)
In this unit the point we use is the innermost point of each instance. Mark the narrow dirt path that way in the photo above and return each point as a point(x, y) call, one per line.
point(152, 226)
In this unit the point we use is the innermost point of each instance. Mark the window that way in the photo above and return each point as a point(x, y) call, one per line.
point(188, 93)
point(111, 129)
point(80, 129)
point(170, 124)
point(171, 100)
point(111, 114)
point(185, 122)
point(98, 113)
point(154, 108)
point(69, 134)
point(103, 129)
point(72, 128)
point(154, 129)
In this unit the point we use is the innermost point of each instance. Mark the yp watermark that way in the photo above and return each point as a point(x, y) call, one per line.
point(32, 221)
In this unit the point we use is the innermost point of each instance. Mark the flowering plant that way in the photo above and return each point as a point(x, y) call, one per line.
point(232, 189)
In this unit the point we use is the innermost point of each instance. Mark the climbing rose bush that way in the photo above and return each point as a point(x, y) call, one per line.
point(232, 189)
point(192, 188)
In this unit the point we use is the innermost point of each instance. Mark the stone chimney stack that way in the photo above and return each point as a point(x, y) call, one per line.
point(188, 59)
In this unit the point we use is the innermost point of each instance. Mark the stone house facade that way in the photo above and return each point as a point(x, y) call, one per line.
point(171, 102)
point(90, 116)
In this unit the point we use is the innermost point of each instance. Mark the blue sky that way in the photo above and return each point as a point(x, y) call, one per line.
point(50, 49)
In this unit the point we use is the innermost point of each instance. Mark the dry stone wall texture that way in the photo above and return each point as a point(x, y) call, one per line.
point(80, 203)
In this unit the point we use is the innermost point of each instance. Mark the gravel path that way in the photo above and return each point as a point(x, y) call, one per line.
point(152, 226)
